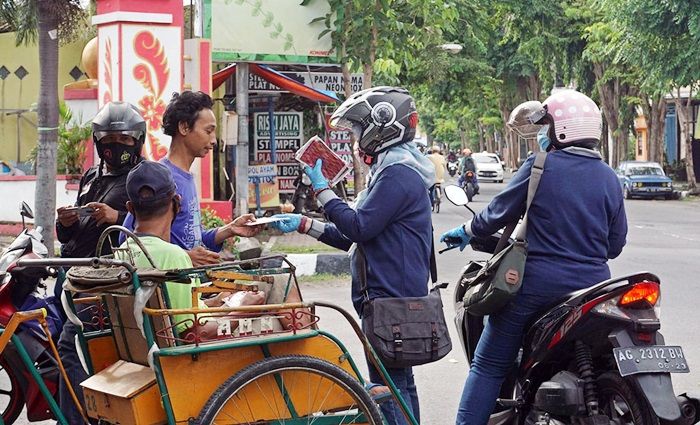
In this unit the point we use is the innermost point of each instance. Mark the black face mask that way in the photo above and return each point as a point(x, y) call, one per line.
point(118, 155)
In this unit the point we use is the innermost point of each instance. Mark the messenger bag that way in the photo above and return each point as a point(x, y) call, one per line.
point(405, 331)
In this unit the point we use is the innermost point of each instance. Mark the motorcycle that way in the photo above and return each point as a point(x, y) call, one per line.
point(19, 292)
point(468, 184)
point(452, 167)
point(303, 198)
point(596, 357)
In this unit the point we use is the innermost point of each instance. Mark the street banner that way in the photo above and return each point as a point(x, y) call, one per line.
point(265, 176)
point(328, 81)
point(289, 132)
point(271, 31)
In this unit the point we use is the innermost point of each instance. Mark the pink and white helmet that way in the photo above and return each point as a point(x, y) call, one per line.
point(573, 117)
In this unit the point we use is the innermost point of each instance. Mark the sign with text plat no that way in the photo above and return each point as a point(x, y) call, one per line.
point(268, 31)
point(289, 132)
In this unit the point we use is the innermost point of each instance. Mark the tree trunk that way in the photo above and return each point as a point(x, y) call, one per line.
point(610, 104)
point(535, 86)
point(463, 139)
point(47, 112)
point(654, 107)
point(357, 166)
point(368, 67)
point(683, 110)
point(480, 132)
point(604, 149)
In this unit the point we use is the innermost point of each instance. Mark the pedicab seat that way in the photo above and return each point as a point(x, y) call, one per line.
point(114, 285)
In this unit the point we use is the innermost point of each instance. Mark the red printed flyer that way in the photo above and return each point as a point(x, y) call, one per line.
point(334, 168)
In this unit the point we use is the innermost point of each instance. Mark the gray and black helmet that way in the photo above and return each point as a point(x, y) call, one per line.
point(121, 118)
point(380, 118)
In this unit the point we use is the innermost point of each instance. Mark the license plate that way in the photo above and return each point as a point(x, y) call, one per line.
point(650, 359)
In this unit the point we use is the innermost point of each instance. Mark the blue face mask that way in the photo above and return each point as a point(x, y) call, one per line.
point(543, 138)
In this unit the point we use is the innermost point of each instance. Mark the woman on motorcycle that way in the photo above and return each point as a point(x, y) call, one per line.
point(575, 224)
point(390, 222)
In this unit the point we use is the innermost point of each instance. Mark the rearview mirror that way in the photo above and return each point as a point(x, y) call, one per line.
point(26, 211)
point(456, 195)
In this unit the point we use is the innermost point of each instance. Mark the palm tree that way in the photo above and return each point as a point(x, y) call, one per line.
point(45, 21)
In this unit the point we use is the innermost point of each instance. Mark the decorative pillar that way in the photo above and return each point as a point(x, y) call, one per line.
point(140, 60)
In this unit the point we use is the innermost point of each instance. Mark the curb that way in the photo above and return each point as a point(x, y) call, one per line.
point(311, 264)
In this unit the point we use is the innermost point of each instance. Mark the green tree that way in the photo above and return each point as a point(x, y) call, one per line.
point(659, 37)
point(384, 36)
point(45, 21)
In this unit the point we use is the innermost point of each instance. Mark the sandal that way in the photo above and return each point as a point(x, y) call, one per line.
point(379, 393)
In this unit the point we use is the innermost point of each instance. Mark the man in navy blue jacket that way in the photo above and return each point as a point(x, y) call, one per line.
point(575, 224)
point(390, 221)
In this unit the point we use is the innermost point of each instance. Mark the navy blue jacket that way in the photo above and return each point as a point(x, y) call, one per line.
point(575, 224)
point(393, 227)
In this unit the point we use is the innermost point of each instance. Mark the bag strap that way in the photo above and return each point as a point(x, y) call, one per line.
point(503, 241)
point(433, 262)
point(535, 176)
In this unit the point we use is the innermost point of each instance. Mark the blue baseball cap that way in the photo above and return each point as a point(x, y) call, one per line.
point(149, 175)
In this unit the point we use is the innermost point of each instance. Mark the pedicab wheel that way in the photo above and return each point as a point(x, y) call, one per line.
point(622, 402)
point(300, 389)
point(11, 398)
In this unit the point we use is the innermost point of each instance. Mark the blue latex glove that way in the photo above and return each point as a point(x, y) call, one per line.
point(289, 222)
point(318, 180)
point(456, 237)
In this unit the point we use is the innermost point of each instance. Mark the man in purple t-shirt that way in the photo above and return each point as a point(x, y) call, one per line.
point(190, 121)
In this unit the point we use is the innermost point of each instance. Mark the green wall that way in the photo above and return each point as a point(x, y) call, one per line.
point(16, 94)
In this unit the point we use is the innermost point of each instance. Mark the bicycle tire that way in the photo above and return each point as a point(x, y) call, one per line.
point(274, 367)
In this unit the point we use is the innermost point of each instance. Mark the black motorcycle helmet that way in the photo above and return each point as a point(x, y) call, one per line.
point(120, 118)
point(380, 118)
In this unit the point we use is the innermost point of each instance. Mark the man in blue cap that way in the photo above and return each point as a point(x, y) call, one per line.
point(154, 201)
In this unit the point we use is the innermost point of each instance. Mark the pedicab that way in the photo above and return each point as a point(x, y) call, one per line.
point(264, 364)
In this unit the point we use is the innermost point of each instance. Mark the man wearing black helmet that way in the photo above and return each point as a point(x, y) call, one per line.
point(390, 223)
point(118, 131)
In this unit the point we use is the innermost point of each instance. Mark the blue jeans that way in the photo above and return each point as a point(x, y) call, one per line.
point(74, 370)
point(495, 355)
point(403, 379)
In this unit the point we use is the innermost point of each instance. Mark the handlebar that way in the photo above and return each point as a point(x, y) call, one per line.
point(451, 242)
point(62, 262)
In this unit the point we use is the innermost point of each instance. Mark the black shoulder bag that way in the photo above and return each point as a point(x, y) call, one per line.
point(408, 331)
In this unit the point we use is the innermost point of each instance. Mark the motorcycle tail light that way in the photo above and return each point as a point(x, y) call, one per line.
point(643, 295)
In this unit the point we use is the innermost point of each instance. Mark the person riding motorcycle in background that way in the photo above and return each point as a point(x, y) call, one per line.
point(451, 156)
point(574, 226)
point(390, 222)
point(118, 131)
point(466, 163)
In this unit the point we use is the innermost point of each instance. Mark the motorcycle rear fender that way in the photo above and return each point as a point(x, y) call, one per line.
point(656, 387)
